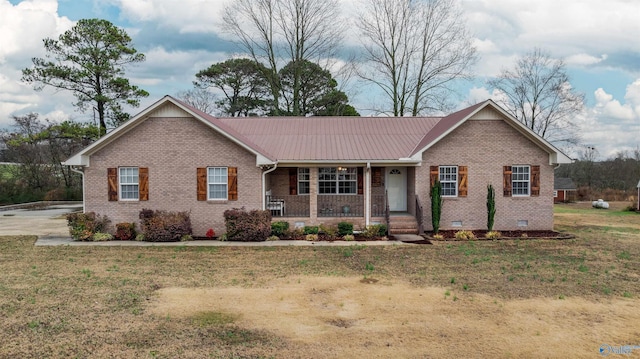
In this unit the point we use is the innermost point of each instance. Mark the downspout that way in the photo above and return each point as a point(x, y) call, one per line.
point(367, 195)
point(264, 185)
point(84, 209)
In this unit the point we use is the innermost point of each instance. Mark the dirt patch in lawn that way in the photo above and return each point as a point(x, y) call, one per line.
point(349, 317)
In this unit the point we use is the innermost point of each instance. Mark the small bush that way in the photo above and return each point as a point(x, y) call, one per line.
point(345, 228)
point(82, 226)
point(140, 237)
point(311, 237)
point(465, 235)
point(102, 237)
point(493, 235)
point(348, 237)
point(329, 231)
point(279, 228)
point(273, 238)
point(438, 237)
point(125, 231)
point(186, 238)
point(251, 226)
point(311, 230)
point(210, 233)
point(294, 233)
point(164, 226)
point(374, 230)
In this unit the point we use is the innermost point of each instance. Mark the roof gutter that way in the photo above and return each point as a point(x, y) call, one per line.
point(74, 169)
point(264, 184)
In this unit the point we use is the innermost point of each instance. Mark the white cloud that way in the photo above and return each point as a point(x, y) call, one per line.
point(22, 28)
point(607, 106)
point(580, 31)
point(615, 125)
point(186, 16)
point(584, 59)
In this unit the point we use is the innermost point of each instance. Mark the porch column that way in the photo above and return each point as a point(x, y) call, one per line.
point(313, 194)
point(367, 195)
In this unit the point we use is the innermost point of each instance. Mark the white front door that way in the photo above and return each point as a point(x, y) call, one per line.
point(396, 180)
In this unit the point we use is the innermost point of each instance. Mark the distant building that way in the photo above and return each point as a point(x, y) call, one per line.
point(564, 190)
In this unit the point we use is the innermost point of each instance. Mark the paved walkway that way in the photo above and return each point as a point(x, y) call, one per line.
point(47, 221)
point(66, 241)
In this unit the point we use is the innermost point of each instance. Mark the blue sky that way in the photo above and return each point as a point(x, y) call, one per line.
point(599, 41)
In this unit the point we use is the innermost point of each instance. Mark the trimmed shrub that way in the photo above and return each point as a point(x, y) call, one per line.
point(251, 226)
point(329, 230)
point(345, 228)
point(436, 206)
point(374, 230)
point(279, 228)
point(164, 226)
point(311, 230)
point(465, 235)
point(348, 237)
point(82, 226)
point(491, 207)
point(493, 235)
point(311, 237)
point(102, 237)
point(125, 231)
point(273, 238)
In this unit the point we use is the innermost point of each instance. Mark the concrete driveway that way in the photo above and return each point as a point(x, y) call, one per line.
point(36, 219)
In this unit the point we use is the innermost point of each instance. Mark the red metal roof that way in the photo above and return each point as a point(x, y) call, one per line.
point(334, 138)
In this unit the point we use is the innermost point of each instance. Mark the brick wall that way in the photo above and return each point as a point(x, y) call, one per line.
point(172, 149)
point(485, 146)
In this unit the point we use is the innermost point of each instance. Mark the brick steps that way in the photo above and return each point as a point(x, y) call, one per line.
point(403, 225)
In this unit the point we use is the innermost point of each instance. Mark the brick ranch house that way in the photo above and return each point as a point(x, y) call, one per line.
point(315, 170)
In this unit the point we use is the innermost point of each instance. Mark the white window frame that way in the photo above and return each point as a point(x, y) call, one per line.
point(131, 181)
point(304, 176)
point(518, 176)
point(211, 181)
point(345, 176)
point(449, 175)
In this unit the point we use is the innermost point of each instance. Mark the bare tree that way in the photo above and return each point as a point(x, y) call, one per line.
point(200, 98)
point(277, 32)
point(415, 50)
point(538, 93)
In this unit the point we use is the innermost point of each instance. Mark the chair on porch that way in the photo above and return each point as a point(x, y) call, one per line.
point(275, 205)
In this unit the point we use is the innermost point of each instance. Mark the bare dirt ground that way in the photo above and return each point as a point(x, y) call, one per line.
point(342, 317)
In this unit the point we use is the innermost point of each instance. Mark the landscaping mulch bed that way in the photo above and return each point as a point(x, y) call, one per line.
point(450, 235)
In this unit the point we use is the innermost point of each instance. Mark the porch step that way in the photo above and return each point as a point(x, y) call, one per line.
point(403, 225)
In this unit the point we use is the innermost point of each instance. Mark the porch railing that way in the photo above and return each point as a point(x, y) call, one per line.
point(340, 206)
point(419, 215)
point(378, 205)
point(387, 212)
point(288, 206)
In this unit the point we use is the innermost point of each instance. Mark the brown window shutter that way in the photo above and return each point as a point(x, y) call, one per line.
point(143, 183)
point(360, 180)
point(232, 175)
point(506, 181)
point(293, 181)
point(112, 178)
point(376, 177)
point(434, 173)
point(202, 183)
point(535, 181)
point(462, 181)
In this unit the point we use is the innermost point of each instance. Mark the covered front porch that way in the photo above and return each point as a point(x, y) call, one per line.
point(362, 195)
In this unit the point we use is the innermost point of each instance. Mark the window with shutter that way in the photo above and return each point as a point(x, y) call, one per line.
point(217, 183)
point(506, 181)
point(462, 181)
point(112, 183)
point(535, 181)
